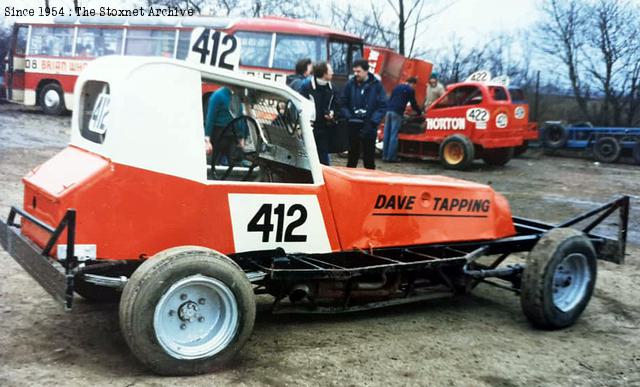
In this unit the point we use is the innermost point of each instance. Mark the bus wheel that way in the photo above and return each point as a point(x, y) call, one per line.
point(457, 152)
point(52, 99)
point(186, 311)
point(497, 156)
point(559, 278)
point(607, 150)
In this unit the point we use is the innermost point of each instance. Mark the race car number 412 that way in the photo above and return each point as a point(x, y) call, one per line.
point(293, 222)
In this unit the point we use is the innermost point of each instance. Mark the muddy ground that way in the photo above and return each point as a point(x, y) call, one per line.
point(477, 340)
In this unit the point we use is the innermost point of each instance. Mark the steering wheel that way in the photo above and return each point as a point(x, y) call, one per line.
point(226, 146)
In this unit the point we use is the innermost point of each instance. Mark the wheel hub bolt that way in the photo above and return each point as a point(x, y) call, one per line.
point(201, 301)
point(183, 297)
point(200, 319)
point(183, 326)
point(172, 312)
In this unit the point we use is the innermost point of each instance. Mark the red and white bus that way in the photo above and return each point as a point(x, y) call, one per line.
point(47, 54)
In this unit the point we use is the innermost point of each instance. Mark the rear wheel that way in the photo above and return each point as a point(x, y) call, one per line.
point(187, 311)
point(559, 279)
point(497, 156)
point(636, 152)
point(521, 149)
point(457, 152)
point(52, 99)
point(607, 149)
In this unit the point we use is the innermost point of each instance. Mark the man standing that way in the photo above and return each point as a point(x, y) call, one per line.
point(303, 70)
point(319, 89)
point(401, 94)
point(219, 115)
point(363, 103)
point(435, 90)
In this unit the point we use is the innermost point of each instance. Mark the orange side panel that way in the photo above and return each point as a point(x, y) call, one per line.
point(130, 212)
point(401, 210)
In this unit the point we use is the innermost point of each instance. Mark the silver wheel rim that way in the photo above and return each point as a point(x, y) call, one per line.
point(570, 281)
point(51, 99)
point(196, 318)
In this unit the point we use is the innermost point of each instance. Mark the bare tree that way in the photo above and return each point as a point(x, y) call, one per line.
point(410, 15)
point(611, 55)
point(561, 38)
point(196, 5)
point(365, 25)
point(297, 9)
point(398, 31)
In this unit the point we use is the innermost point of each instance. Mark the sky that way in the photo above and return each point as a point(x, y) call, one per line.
point(473, 19)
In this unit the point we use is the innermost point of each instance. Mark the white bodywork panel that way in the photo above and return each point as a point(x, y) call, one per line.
point(155, 115)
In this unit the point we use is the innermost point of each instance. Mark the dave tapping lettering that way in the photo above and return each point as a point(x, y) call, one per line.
point(395, 202)
point(460, 205)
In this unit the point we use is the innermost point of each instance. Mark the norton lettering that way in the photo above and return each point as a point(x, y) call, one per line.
point(460, 205)
point(445, 123)
point(395, 202)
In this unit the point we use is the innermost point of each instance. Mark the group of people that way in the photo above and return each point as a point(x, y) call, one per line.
point(362, 104)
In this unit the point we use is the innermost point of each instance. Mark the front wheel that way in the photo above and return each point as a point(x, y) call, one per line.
point(558, 281)
point(187, 311)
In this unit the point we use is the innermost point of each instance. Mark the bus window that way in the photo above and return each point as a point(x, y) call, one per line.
point(21, 41)
point(338, 57)
point(183, 44)
point(94, 42)
point(291, 48)
point(150, 43)
point(255, 48)
point(356, 52)
point(53, 41)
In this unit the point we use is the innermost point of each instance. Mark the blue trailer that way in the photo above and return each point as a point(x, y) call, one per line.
point(607, 144)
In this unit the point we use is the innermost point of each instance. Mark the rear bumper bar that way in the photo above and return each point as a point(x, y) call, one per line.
point(56, 277)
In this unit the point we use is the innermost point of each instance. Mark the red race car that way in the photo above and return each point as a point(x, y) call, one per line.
point(133, 210)
point(473, 119)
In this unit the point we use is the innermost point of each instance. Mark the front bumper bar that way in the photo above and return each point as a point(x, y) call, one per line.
point(56, 277)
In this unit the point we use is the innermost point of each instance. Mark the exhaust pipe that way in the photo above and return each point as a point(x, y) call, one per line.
point(299, 292)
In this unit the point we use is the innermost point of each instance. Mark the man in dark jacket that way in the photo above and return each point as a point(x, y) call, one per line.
point(319, 89)
point(400, 96)
point(363, 103)
point(303, 70)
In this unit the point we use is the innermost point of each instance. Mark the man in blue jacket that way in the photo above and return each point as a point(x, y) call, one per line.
point(363, 104)
point(401, 94)
point(219, 114)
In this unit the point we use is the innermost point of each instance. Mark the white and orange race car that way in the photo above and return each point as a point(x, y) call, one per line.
point(133, 210)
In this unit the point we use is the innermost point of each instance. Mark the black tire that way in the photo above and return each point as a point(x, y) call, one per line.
point(554, 136)
point(155, 278)
point(497, 156)
point(51, 99)
point(521, 149)
point(457, 152)
point(539, 279)
point(95, 293)
point(607, 150)
point(636, 152)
